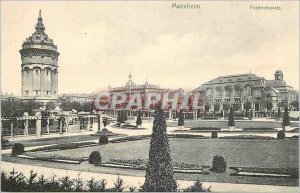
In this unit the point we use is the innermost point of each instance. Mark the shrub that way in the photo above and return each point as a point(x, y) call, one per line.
point(219, 164)
point(280, 135)
point(103, 139)
point(118, 185)
point(17, 149)
point(197, 187)
point(95, 158)
point(214, 134)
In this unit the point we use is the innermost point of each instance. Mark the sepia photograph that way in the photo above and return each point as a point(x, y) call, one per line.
point(149, 96)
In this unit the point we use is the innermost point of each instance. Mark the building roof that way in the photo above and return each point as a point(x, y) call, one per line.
point(278, 85)
point(233, 78)
point(39, 37)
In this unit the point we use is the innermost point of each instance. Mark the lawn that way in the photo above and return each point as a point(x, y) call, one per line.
point(247, 153)
point(237, 153)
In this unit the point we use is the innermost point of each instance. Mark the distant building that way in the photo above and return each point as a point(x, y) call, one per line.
point(39, 66)
point(131, 87)
point(9, 97)
point(237, 90)
point(81, 98)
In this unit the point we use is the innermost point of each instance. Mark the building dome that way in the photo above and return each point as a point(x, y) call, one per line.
point(39, 39)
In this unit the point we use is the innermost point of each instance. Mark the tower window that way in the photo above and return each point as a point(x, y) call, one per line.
point(36, 72)
point(26, 91)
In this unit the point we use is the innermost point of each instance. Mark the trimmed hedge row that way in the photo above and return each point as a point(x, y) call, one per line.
point(246, 137)
point(64, 146)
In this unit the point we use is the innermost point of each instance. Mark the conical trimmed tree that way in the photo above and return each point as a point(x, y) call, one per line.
point(159, 172)
point(139, 119)
point(180, 118)
point(124, 116)
point(286, 118)
point(119, 118)
point(231, 122)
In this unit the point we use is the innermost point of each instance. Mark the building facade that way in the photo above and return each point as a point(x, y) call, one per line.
point(130, 88)
point(81, 98)
point(39, 66)
point(248, 91)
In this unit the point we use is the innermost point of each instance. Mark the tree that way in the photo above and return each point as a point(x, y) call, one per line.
point(118, 185)
point(159, 172)
point(295, 104)
point(139, 119)
point(180, 118)
point(75, 105)
point(50, 105)
point(66, 106)
point(231, 118)
point(87, 106)
point(197, 187)
point(286, 118)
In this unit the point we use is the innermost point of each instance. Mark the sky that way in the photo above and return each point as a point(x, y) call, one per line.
point(100, 43)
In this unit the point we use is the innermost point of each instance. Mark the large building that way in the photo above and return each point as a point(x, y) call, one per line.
point(131, 87)
point(238, 90)
point(39, 66)
point(81, 98)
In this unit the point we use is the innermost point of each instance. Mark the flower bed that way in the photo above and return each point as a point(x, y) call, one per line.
point(260, 129)
point(267, 172)
point(130, 138)
point(50, 156)
point(141, 164)
point(65, 146)
point(105, 132)
point(205, 129)
point(187, 136)
point(247, 137)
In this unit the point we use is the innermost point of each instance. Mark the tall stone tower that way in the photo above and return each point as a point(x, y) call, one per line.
point(39, 66)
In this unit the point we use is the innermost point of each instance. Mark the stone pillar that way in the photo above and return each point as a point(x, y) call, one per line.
point(38, 125)
point(170, 114)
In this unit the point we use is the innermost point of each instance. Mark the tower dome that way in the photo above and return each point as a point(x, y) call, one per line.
point(39, 57)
